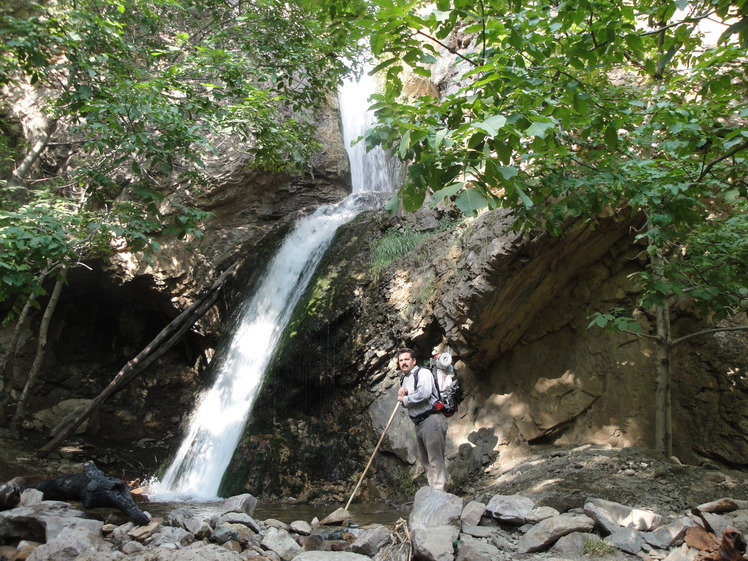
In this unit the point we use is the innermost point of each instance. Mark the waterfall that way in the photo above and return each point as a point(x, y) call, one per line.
point(222, 411)
point(374, 170)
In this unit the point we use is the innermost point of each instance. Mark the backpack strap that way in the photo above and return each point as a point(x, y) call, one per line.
point(432, 365)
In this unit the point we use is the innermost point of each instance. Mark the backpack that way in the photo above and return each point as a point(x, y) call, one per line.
point(448, 399)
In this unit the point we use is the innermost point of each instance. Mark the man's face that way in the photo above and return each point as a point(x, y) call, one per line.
point(406, 362)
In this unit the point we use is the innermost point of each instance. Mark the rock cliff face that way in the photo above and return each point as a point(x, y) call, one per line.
point(514, 311)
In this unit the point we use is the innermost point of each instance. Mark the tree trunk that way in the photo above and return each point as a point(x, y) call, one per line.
point(19, 174)
point(6, 367)
point(663, 402)
point(155, 349)
point(40, 350)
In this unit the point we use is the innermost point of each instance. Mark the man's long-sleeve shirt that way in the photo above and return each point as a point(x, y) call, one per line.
point(420, 399)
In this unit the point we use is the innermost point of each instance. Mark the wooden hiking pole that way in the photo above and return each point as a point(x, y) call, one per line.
point(381, 438)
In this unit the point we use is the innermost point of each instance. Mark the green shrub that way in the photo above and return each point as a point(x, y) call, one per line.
point(398, 242)
point(395, 244)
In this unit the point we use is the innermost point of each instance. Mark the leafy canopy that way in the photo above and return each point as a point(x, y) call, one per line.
point(141, 95)
point(581, 109)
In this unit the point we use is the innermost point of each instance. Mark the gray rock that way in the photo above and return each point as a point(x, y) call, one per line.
point(603, 520)
point(142, 533)
point(738, 520)
point(330, 556)
point(626, 539)
point(68, 544)
point(627, 516)
point(541, 513)
point(372, 540)
point(474, 549)
point(479, 531)
point(109, 556)
point(311, 543)
point(43, 521)
point(240, 503)
point(434, 543)
point(301, 527)
point(184, 518)
point(510, 509)
point(210, 552)
point(172, 535)
point(54, 416)
point(246, 520)
point(472, 513)
point(668, 535)
point(435, 508)
point(227, 532)
point(683, 553)
point(573, 543)
point(718, 522)
point(503, 543)
point(177, 516)
point(340, 517)
point(545, 533)
point(132, 547)
point(120, 535)
point(281, 543)
point(31, 497)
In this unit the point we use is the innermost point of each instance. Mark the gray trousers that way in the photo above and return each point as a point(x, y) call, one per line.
point(431, 435)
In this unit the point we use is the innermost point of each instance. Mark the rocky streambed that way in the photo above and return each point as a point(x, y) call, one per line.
point(551, 503)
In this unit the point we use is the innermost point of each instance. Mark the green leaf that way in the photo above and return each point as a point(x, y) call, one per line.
point(448, 191)
point(611, 137)
point(523, 196)
point(492, 125)
point(382, 65)
point(412, 197)
point(539, 128)
point(419, 70)
point(736, 28)
point(507, 172)
point(404, 145)
point(470, 201)
point(393, 204)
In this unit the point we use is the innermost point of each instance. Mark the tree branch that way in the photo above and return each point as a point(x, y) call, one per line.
point(707, 332)
point(692, 19)
point(451, 50)
point(730, 154)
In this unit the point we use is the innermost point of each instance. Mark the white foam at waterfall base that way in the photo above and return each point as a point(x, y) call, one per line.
point(222, 411)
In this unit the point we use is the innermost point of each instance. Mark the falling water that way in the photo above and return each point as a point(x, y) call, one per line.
point(374, 170)
point(222, 411)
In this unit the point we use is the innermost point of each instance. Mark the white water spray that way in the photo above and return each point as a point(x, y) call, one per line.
point(222, 411)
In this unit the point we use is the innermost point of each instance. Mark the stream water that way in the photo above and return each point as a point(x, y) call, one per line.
point(361, 513)
point(237, 370)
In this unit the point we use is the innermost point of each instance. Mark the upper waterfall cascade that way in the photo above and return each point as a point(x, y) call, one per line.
point(374, 170)
point(238, 369)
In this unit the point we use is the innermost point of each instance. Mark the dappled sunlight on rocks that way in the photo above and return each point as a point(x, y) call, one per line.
point(560, 385)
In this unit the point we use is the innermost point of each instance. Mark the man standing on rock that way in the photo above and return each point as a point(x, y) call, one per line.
point(417, 395)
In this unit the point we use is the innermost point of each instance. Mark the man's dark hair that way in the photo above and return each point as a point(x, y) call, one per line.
point(404, 350)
